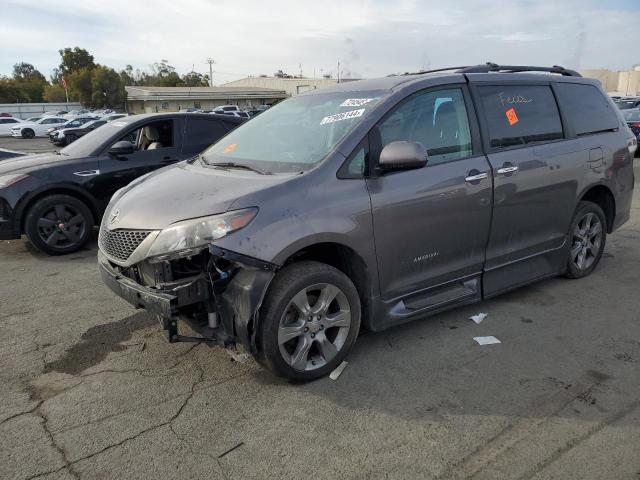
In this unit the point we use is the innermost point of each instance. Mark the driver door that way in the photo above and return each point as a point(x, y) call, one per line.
point(156, 144)
point(431, 224)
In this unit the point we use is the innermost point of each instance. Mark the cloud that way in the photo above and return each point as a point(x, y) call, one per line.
point(369, 37)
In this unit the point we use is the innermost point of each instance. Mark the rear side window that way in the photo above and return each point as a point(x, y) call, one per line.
point(586, 108)
point(204, 131)
point(520, 115)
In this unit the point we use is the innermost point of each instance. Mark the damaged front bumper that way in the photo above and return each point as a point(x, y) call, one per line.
point(221, 302)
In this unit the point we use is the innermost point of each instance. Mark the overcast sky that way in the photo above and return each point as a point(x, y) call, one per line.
point(369, 37)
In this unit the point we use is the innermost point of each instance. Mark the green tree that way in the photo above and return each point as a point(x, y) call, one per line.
point(163, 75)
point(106, 87)
point(9, 93)
point(195, 79)
point(79, 84)
point(29, 81)
point(54, 93)
point(75, 59)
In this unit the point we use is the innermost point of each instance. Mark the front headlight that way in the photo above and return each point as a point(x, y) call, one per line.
point(6, 180)
point(189, 235)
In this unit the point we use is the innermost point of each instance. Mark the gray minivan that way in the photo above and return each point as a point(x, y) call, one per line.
point(370, 204)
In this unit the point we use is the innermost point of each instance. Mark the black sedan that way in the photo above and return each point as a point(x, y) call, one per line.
point(65, 136)
point(56, 199)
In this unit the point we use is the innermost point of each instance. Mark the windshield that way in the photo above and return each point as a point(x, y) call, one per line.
point(88, 144)
point(626, 104)
point(296, 134)
point(632, 115)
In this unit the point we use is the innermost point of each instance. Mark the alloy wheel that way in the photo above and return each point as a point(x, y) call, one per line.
point(314, 326)
point(586, 241)
point(61, 226)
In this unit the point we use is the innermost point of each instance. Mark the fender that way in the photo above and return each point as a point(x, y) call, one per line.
point(93, 203)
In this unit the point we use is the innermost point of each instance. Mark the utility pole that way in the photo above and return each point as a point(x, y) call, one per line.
point(338, 71)
point(210, 61)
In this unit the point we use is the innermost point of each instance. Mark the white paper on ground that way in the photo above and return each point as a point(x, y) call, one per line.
point(336, 373)
point(487, 340)
point(478, 317)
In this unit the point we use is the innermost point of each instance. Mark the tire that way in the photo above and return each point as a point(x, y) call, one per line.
point(325, 334)
point(59, 224)
point(586, 245)
point(70, 139)
point(28, 133)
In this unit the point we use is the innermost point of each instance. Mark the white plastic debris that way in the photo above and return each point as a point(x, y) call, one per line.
point(237, 356)
point(478, 317)
point(336, 373)
point(490, 340)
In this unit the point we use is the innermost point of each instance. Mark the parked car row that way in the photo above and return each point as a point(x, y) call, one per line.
point(626, 103)
point(365, 204)
point(46, 124)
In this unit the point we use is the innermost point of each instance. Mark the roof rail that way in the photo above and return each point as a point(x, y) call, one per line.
point(493, 67)
point(422, 72)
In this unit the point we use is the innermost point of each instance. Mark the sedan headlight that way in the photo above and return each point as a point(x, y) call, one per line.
point(189, 236)
point(6, 180)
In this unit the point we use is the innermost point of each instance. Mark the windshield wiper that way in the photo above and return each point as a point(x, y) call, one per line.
point(239, 165)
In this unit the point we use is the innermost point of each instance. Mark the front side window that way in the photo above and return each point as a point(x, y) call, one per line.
point(152, 136)
point(437, 119)
point(586, 108)
point(297, 133)
point(520, 114)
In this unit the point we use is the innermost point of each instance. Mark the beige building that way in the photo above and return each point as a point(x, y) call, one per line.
point(620, 83)
point(293, 86)
point(173, 99)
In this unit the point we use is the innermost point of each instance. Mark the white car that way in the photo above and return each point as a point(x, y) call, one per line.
point(113, 116)
point(76, 113)
point(32, 119)
point(6, 123)
point(36, 129)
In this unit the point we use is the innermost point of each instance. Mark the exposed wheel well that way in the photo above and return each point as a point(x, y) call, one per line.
point(602, 196)
point(348, 262)
point(64, 191)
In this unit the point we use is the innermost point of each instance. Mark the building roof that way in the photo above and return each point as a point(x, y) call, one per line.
point(201, 93)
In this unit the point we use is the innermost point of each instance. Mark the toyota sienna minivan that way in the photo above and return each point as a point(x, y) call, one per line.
point(370, 204)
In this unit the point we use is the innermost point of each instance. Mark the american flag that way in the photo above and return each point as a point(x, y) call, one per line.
point(63, 82)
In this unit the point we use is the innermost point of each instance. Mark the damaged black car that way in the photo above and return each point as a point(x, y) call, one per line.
point(371, 204)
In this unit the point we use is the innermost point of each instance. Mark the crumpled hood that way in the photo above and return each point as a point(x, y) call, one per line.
point(28, 163)
point(181, 192)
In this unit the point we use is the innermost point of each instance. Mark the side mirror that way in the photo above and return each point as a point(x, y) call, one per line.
point(122, 148)
point(403, 156)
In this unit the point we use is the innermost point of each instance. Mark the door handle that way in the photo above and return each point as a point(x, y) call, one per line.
point(477, 177)
point(507, 170)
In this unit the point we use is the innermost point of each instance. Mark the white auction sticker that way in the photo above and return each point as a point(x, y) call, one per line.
point(356, 102)
point(342, 116)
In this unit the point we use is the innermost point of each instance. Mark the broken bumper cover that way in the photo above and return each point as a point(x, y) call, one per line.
point(237, 297)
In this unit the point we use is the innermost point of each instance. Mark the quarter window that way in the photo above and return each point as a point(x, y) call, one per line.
point(586, 108)
point(436, 119)
point(520, 114)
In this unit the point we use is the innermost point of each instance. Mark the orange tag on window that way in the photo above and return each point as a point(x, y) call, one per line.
point(230, 148)
point(512, 116)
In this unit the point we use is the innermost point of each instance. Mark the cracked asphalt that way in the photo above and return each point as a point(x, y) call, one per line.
point(90, 388)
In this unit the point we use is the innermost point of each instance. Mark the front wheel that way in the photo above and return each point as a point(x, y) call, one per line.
point(28, 133)
point(70, 139)
point(59, 224)
point(587, 236)
point(308, 322)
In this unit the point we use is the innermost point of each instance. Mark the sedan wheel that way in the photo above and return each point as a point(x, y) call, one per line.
point(59, 224)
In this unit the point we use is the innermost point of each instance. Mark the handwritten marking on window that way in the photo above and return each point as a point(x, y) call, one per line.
point(230, 148)
point(513, 99)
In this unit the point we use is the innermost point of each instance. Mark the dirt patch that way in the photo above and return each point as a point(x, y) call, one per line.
point(97, 342)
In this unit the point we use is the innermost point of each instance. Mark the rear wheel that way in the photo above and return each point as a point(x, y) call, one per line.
point(309, 321)
point(28, 133)
point(588, 235)
point(59, 224)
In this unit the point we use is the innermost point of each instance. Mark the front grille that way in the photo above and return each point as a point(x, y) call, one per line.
point(120, 244)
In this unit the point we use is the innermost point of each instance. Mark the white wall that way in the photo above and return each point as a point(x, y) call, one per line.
point(26, 110)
